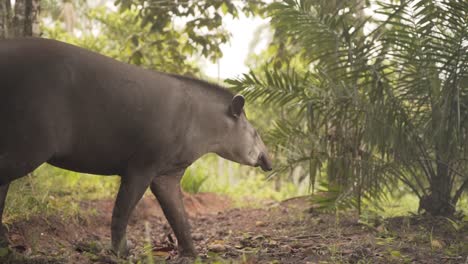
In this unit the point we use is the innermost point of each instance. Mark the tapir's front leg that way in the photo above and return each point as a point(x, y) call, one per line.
point(132, 187)
point(167, 191)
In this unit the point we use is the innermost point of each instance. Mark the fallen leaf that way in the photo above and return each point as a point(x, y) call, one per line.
point(286, 248)
point(15, 237)
point(259, 237)
point(19, 248)
point(347, 251)
point(260, 224)
point(197, 236)
point(381, 229)
point(163, 254)
point(437, 244)
point(303, 245)
point(272, 243)
point(217, 248)
point(220, 242)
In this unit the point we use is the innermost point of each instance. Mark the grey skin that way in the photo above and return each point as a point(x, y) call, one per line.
point(85, 112)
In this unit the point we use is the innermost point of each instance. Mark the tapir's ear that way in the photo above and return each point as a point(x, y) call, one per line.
point(237, 105)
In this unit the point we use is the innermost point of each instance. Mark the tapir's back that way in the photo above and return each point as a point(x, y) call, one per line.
point(97, 111)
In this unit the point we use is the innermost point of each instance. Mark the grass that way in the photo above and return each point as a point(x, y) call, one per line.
point(407, 204)
point(53, 191)
point(403, 205)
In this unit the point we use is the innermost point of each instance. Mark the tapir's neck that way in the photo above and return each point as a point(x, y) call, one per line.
point(203, 137)
point(207, 129)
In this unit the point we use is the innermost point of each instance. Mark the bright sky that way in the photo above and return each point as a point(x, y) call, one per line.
point(236, 51)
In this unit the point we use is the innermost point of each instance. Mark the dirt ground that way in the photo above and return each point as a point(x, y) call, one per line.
point(287, 232)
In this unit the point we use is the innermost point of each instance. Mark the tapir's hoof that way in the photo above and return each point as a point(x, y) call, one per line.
point(124, 250)
point(122, 253)
point(184, 260)
point(4, 241)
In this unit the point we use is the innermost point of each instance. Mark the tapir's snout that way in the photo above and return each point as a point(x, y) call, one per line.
point(264, 162)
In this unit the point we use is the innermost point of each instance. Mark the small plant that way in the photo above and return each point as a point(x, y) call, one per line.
point(331, 198)
point(148, 248)
point(371, 218)
point(193, 180)
point(458, 225)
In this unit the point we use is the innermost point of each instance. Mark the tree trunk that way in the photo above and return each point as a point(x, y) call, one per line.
point(438, 201)
point(34, 18)
point(25, 20)
point(5, 18)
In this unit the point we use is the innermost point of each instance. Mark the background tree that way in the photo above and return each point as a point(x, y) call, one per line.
point(200, 21)
point(68, 14)
point(22, 19)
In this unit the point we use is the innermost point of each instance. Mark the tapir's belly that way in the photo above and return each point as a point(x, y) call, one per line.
point(99, 142)
point(101, 167)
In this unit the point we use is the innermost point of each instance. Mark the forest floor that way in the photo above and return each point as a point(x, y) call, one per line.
point(271, 232)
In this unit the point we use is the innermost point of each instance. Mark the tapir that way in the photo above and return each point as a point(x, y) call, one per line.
point(82, 111)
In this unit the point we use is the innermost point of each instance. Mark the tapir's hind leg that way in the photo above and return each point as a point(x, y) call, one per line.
point(28, 131)
point(18, 157)
point(132, 187)
point(11, 169)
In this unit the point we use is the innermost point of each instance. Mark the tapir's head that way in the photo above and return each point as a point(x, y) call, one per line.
point(242, 143)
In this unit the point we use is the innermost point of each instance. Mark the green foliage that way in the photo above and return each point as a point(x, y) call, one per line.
point(199, 21)
point(370, 109)
point(121, 37)
point(163, 35)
